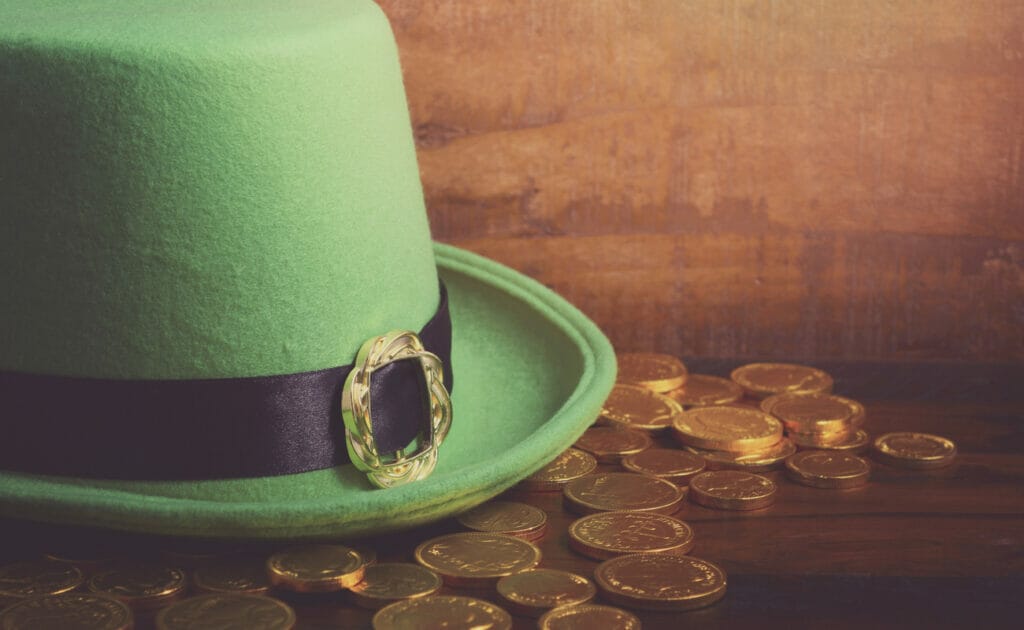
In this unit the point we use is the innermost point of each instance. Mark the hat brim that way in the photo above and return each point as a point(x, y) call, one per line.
point(531, 373)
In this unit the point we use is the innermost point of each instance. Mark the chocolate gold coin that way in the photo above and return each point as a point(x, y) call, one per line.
point(588, 617)
point(316, 568)
point(140, 586)
point(32, 578)
point(68, 611)
point(532, 593)
point(506, 517)
point(671, 464)
point(237, 574)
point(571, 464)
point(475, 559)
point(217, 611)
point(855, 443)
point(702, 390)
point(609, 534)
point(764, 379)
point(606, 492)
point(728, 428)
point(756, 461)
point(733, 490)
point(635, 407)
point(821, 440)
point(828, 469)
point(441, 611)
point(654, 581)
point(656, 372)
point(610, 444)
point(389, 582)
point(915, 450)
point(815, 413)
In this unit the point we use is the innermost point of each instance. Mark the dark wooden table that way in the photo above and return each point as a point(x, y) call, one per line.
point(942, 548)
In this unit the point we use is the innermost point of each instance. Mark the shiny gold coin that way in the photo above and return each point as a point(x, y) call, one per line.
point(389, 582)
point(670, 464)
point(653, 581)
point(755, 461)
point(244, 574)
point(609, 534)
point(506, 517)
point(441, 611)
point(140, 586)
point(703, 390)
point(821, 440)
point(609, 445)
point(606, 492)
point(656, 372)
point(764, 379)
point(316, 568)
point(474, 559)
point(37, 577)
point(728, 428)
point(571, 464)
point(828, 469)
point(216, 611)
point(588, 617)
point(815, 413)
point(915, 450)
point(68, 611)
point(855, 443)
point(635, 407)
point(532, 593)
point(733, 490)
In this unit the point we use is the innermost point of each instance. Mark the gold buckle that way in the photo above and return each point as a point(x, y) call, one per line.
point(397, 468)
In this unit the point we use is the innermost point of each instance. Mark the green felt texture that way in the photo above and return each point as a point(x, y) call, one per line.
point(531, 373)
point(196, 189)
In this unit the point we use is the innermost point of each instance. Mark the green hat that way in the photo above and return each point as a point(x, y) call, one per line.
point(209, 208)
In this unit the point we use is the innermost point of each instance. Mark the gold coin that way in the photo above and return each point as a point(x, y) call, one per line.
point(635, 407)
point(815, 413)
point(656, 372)
point(68, 611)
point(475, 559)
point(233, 575)
point(571, 464)
point(733, 490)
point(316, 568)
point(609, 534)
point(389, 582)
point(140, 586)
point(506, 517)
point(821, 440)
point(915, 450)
point(609, 445)
point(216, 611)
point(755, 461)
point(828, 469)
point(854, 443)
point(670, 464)
point(606, 492)
point(728, 428)
point(703, 390)
point(653, 581)
point(588, 617)
point(532, 593)
point(764, 379)
point(38, 577)
point(441, 611)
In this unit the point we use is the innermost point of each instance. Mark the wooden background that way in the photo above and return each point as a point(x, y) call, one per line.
point(737, 178)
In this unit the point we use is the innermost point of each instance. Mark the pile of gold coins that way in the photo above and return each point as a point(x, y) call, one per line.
point(664, 437)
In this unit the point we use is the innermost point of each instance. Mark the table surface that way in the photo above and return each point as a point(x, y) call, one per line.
point(941, 548)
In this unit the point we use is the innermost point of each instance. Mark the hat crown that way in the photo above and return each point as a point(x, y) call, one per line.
point(205, 190)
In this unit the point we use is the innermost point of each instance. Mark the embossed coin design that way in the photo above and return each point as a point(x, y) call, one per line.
point(68, 611)
point(605, 492)
point(702, 390)
point(588, 617)
point(635, 407)
point(506, 517)
point(755, 461)
point(764, 379)
point(141, 586)
point(37, 577)
point(652, 581)
point(656, 372)
point(733, 490)
point(670, 464)
point(316, 568)
point(828, 469)
point(609, 534)
point(532, 593)
point(571, 464)
point(217, 611)
point(728, 428)
point(476, 560)
point(389, 582)
point(815, 413)
point(915, 450)
point(246, 574)
point(609, 444)
point(441, 611)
